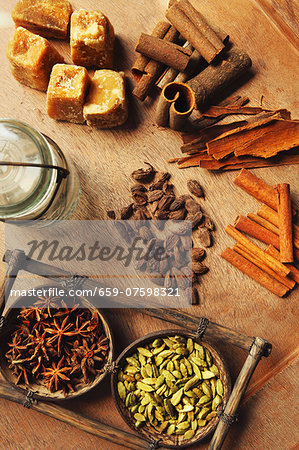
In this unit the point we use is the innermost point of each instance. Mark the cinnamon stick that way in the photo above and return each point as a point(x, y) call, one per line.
point(195, 29)
point(216, 78)
point(277, 266)
point(255, 230)
point(153, 70)
point(168, 53)
point(254, 272)
point(285, 223)
point(141, 62)
point(294, 272)
point(271, 216)
point(275, 230)
point(175, 105)
point(217, 111)
point(257, 188)
point(239, 248)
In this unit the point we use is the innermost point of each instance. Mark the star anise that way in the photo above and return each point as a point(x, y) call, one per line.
point(55, 374)
point(59, 332)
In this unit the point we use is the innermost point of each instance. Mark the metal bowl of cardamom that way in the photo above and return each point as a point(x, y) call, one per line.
point(170, 386)
point(56, 347)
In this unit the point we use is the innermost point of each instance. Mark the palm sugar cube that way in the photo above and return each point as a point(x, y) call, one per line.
point(106, 105)
point(31, 59)
point(48, 18)
point(67, 92)
point(92, 39)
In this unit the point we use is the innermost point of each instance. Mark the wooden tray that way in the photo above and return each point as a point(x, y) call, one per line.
point(105, 160)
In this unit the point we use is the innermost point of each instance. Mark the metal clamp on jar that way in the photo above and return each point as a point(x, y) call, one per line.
point(36, 181)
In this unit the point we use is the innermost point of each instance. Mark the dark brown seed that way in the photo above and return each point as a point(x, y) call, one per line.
point(144, 175)
point(195, 188)
point(138, 187)
point(158, 279)
point(198, 254)
point(141, 214)
point(165, 203)
point(182, 281)
point(153, 265)
point(126, 212)
point(154, 196)
point(140, 198)
point(111, 214)
point(192, 206)
point(196, 219)
point(164, 265)
point(203, 236)
point(195, 296)
point(199, 268)
point(171, 241)
point(179, 258)
point(186, 242)
point(180, 228)
point(185, 197)
point(145, 233)
point(168, 188)
point(180, 214)
point(208, 223)
point(177, 204)
point(161, 215)
point(169, 281)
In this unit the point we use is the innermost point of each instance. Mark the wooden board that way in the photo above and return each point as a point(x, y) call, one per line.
point(106, 158)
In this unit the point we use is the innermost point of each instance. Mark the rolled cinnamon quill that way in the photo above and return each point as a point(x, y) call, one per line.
point(141, 62)
point(195, 29)
point(271, 216)
point(254, 272)
point(239, 248)
point(208, 83)
point(153, 70)
point(285, 223)
point(257, 231)
point(175, 105)
point(294, 272)
point(168, 53)
point(275, 265)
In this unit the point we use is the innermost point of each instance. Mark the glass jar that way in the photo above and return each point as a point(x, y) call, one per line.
point(36, 181)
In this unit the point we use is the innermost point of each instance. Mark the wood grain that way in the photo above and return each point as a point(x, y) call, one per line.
point(106, 158)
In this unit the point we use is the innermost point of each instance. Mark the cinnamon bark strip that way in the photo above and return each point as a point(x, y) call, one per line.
point(264, 138)
point(217, 111)
point(294, 272)
point(153, 70)
point(168, 53)
point(216, 78)
point(141, 62)
point(285, 223)
point(195, 29)
point(283, 280)
point(257, 188)
point(255, 230)
point(254, 272)
point(277, 266)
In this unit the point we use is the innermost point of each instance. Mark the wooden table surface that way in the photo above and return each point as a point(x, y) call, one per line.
point(267, 30)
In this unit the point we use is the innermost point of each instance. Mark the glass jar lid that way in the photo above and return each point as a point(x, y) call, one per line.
point(21, 185)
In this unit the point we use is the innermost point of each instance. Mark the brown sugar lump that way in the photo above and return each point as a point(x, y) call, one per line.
point(92, 39)
point(48, 18)
point(31, 59)
point(106, 105)
point(67, 92)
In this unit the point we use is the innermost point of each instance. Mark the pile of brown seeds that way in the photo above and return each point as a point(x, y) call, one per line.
point(154, 198)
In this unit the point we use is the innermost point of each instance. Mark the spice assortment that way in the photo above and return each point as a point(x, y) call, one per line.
point(276, 229)
point(171, 384)
point(154, 198)
point(263, 138)
point(71, 95)
point(58, 346)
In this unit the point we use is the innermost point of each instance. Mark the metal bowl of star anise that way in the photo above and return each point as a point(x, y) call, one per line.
point(57, 348)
